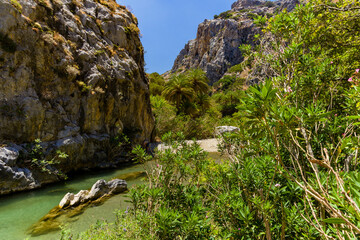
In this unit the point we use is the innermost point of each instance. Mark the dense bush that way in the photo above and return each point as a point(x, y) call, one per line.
point(156, 83)
point(190, 196)
point(292, 170)
point(183, 104)
point(224, 15)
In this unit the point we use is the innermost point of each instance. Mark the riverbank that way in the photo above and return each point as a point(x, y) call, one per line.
point(19, 211)
point(208, 145)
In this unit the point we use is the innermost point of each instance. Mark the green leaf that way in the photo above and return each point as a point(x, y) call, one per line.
point(333, 220)
point(353, 117)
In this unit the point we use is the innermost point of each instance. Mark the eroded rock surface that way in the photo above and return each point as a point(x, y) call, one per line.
point(72, 75)
point(216, 46)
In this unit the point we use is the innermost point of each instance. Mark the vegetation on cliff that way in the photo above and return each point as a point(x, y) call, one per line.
point(293, 167)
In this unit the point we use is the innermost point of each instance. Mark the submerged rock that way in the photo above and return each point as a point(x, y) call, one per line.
point(73, 205)
point(100, 189)
point(131, 175)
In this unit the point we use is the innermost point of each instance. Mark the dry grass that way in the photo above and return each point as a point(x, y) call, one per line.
point(111, 4)
point(78, 20)
point(98, 23)
point(58, 37)
point(111, 50)
point(45, 3)
point(77, 3)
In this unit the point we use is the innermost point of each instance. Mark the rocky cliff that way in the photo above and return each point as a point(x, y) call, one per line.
point(216, 47)
point(72, 75)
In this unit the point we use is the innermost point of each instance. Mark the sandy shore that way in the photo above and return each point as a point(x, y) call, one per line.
point(209, 145)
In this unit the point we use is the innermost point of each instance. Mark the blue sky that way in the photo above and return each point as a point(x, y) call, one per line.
point(167, 25)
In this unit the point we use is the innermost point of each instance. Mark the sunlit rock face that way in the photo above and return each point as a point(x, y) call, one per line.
point(72, 75)
point(216, 46)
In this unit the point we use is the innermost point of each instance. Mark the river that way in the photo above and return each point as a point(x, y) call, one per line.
point(21, 210)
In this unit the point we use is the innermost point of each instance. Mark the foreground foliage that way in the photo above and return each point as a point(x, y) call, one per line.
point(190, 196)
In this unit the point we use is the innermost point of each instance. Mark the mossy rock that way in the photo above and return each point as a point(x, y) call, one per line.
point(57, 217)
point(131, 176)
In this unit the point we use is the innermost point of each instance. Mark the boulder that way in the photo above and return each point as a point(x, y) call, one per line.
point(15, 179)
point(66, 200)
point(116, 186)
point(80, 197)
point(225, 129)
point(9, 155)
point(100, 189)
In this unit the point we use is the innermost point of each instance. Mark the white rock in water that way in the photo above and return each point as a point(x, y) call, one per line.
point(98, 190)
point(66, 200)
point(117, 186)
point(79, 198)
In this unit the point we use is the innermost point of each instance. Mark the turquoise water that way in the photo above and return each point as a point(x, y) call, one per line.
point(19, 211)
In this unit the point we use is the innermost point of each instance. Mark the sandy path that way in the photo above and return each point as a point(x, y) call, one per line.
point(209, 145)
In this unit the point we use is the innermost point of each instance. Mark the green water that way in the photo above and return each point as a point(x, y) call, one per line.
point(19, 211)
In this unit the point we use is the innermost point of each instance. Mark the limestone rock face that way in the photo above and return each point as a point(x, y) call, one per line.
point(216, 47)
point(72, 75)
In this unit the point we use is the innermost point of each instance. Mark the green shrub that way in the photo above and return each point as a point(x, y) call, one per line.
point(194, 197)
point(226, 15)
point(156, 83)
point(38, 159)
point(132, 29)
point(167, 120)
point(252, 15)
point(269, 4)
point(238, 68)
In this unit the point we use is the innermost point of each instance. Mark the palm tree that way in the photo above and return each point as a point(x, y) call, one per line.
point(178, 90)
point(198, 80)
point(203, 100)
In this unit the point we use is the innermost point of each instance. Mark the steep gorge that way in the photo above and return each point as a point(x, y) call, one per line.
point(72, 75)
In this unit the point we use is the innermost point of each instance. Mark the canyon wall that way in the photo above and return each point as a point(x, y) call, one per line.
point(72, 79)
